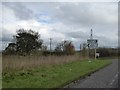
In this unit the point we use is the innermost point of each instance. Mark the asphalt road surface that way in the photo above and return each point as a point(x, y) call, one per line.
point(104, 78)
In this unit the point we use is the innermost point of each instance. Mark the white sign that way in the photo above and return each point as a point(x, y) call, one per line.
point(92, 43)
point(97, 54)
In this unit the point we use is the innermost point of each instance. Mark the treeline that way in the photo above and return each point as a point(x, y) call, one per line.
point(102, 51)
point(28, 42)
point(106, 52)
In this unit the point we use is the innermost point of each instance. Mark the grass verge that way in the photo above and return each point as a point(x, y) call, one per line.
point(53, 76)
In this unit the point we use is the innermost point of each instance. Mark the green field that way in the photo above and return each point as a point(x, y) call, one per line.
point(52, 76)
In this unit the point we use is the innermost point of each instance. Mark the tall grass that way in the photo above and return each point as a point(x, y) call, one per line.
point(53, 76)
point(0, 71)
point(0, 63)
point(25, 62)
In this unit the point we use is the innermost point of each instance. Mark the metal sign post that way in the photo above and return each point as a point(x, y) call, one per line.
point(95, 53)
point(92, 44)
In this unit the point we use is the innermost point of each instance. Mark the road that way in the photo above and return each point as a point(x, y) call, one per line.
point(104, 78)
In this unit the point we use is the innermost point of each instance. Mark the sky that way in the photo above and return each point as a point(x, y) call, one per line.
point(61, 21)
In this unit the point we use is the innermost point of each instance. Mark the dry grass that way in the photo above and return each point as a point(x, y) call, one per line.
point(20, 62)
point(0, 64)
point(0, 71)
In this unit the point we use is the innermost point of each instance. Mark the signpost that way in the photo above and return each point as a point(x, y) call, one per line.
point(92, 44)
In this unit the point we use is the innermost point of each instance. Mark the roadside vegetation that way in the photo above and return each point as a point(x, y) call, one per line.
point(28, 63)
point(13, 63)
point(52, 76)
point(0, 71)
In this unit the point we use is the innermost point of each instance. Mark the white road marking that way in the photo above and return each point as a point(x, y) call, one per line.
point(112, 81)
point(116, 75)
point(114, 78)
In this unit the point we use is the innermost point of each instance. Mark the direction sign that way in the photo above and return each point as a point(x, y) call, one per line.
point(92, 43)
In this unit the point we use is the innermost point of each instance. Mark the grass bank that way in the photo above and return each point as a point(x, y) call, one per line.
point(12, 62)
point(52, 76)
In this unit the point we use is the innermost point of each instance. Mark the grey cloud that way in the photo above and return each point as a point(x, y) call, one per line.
point(104, 41)
point(86, 15)
point(6, 36)
point(99, 16)
point(75, 16)
point(20, 10)
point(78, 34)
point(82, 37)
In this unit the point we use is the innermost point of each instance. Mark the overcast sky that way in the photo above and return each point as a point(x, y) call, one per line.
point(61, 21)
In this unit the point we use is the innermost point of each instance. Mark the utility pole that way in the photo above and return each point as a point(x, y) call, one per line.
point(80, 50)
point(50, 44)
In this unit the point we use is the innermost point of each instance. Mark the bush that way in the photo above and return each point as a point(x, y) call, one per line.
point(105, 52)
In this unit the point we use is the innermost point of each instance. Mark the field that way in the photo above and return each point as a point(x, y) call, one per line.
point(46, 72)
point(12, 63)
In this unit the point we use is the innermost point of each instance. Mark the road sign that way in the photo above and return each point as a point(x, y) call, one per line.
point(92, 43)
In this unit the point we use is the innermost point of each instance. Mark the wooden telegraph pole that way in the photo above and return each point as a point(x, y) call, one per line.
point(50, 45)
